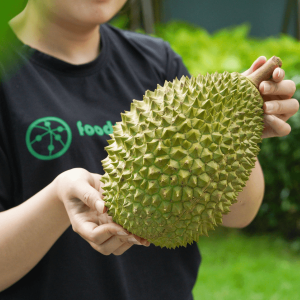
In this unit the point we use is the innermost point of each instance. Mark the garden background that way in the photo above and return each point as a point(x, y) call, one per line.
point(261, 261)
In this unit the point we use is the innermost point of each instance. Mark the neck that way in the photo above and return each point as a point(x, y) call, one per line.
point(58, 38)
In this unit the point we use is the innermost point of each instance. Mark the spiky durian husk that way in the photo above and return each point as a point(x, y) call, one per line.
point(179, 158)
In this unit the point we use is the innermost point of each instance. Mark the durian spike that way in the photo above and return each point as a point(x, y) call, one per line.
point(265, 71)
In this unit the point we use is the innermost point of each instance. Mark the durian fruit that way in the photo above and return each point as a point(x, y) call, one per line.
point(179, 158)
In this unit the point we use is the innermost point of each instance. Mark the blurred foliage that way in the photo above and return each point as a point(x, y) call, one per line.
point(231, 49)
point(8, 10)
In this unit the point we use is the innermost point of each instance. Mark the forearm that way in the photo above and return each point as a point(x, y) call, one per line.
point(249, 200)
point(27, 232)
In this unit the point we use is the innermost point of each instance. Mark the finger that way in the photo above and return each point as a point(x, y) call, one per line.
point(89, 196)
point(280, 107)
point(285, 87)
point(278, 75)
point(125, 247)
point(257, 64)
point(92, 232)
point(99, 187)
point(122, 249)
point(275, 127)
point(101, 190)
point(110, 246)
point(104, 218)
point(98, 234)
point(116, 245)
point(141, 240)
point(98, 182)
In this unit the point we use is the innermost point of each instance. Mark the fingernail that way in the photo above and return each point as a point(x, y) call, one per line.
point(99, 206)
point(269, 106)
point(269, 118)
point(279, 72)
point(267, 87)
point(122, 233)
point(133, 240)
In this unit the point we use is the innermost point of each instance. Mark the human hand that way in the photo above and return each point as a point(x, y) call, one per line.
point(278, 104)
point(81, 193)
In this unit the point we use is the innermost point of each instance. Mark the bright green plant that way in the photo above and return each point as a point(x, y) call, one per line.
point(7, 11)
point(229, 49)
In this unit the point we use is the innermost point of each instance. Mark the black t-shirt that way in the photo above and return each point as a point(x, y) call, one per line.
point(55, 116)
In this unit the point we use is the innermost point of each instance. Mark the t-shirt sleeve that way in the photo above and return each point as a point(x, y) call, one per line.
point(175, 65)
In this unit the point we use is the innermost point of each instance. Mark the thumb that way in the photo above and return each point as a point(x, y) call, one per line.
point(256, 65)
point(91, 197)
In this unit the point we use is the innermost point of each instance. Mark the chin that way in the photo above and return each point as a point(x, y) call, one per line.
point(97, 17)
point(103, 11)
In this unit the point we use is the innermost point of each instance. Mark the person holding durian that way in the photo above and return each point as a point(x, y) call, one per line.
point(70, 70)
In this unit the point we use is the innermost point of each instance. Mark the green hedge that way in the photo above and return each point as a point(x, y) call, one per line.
point(231, 49)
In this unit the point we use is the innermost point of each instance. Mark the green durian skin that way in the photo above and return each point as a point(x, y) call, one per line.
point(178, 159)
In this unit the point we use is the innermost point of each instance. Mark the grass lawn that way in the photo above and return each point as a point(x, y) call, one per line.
point(235, 266)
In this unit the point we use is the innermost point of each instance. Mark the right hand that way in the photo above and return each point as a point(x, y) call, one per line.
point(81, 194)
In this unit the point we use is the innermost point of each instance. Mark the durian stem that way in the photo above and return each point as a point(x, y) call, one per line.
point(265, 71)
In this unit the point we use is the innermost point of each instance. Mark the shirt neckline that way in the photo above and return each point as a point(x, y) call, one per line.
point(59, 66)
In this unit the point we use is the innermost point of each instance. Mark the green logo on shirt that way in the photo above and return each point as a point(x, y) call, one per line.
point(91, 130)
point(48, 138)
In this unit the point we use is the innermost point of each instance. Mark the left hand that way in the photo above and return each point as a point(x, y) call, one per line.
point(81, 193)
point(278, 104)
